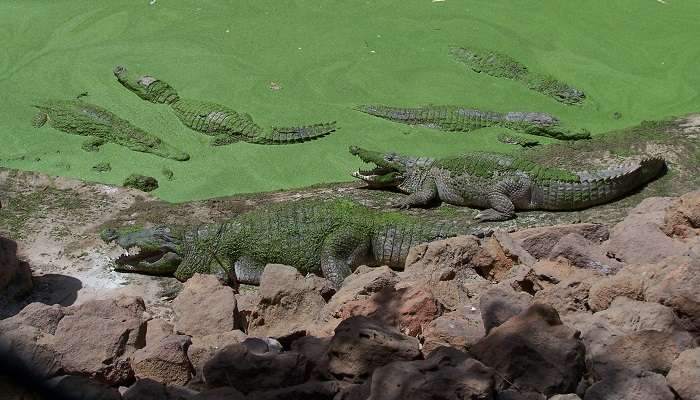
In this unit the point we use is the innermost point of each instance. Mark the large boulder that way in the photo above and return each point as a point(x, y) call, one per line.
point(315, 350)
point(633, 316)
point(583, 253)
point(148, 389)
point(408, 309)
point(447, 373)
point(15, 275)
point(685, 374)
point(361, 284)
point(535, 352)
point(205, 307)
point(540, 241)
point(571, 294)
point(288, 302)
point(164, 360)
point(98, 338)
point(641, 351)
point(360, 345)
point(460, 329)
point(239, 367)
point(81, 387)
point(500, 303)
point(626, 283)
point(682, 218)
point(640, 237)
point(203, 348)
point(646, 386)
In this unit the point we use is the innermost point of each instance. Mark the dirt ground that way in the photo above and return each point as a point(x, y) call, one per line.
point(56, 221)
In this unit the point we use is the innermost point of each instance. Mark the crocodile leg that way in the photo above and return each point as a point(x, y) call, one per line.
point(224, 139)
point(248, 271)
point(342, 251)
point(421, 197)
point(500, 199)
point(40, 119)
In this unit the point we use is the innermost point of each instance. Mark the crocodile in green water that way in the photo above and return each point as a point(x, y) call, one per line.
point(501, 183)
point(101, 126)
point(225, 124)
point(463, 119)
point(329, 238)
point(502, 66)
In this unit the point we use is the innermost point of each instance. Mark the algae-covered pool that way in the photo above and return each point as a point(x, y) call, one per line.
point(638, 58)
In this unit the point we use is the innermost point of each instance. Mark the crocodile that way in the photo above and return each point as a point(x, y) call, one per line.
point(500, 183)
point(324, 237)
point(500, 65)
point(463, 119)
point(225, 124)
point(78, 117)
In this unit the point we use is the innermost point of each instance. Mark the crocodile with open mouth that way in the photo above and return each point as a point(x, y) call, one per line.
point(225, 124)
point(500, 183)
point(326, 237)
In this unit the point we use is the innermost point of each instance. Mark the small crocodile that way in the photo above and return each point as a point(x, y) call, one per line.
point(225, 124)
point(503, 66)
point(81, 118)
point(463, 119)
point(327, 237)
point(501, 183)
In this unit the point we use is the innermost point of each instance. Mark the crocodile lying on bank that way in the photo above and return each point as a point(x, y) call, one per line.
point(500, 183)
point(462, 119)
point(80, 118)
point(330, 238)
point(502, 66)
point(225, 124)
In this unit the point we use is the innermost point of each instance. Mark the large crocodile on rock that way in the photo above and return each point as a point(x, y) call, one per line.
point(225, 124)
point(500, 65)
point(464, 119)
point(329, 237)
point(81, 118)
point(501, 183)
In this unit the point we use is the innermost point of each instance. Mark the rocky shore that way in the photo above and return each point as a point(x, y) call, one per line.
point(568, 311)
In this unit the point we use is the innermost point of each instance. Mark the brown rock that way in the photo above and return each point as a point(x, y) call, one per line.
point(639, 238)
point(569, 396)
point(626, 283)
point(164, 361)
point(551, 272)
point(457, 253)
point(238, 367)
point(500, 303)
point(15, 275)
point(583, 253)
point(674, 282)
point(647, 386)
point(205, 307)
point(460, 329)
point(685, 374)
point(41, 316)
point(246, 303)
point(641, 351)
point(360, 345)
point(98, 338)
point(148, 389)
point(204, 348)
point(361, 284)
point(222, 393)
point(27, 346)
point(288, 302)
point(158, 329)
point(540, 241)
point(81, 387)
point(535, 352)
point(315, 350)
point(449, 372)
point(407, 309)
point(634, 316)
point(514, 250)
point(571, 294)
point(682, 218)
point(310, 390)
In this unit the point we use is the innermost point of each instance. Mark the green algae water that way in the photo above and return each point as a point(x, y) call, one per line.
point(299, 62)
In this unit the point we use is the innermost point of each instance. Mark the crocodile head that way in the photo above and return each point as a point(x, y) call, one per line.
point(155, 251)
point(390, 168)
point(140, 85)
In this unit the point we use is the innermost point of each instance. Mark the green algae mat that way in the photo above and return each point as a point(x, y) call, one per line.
point(298, 62)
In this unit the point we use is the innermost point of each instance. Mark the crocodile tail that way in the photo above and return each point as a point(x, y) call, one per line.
point(296, 134)
point(413, 116)
point(597, 187)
